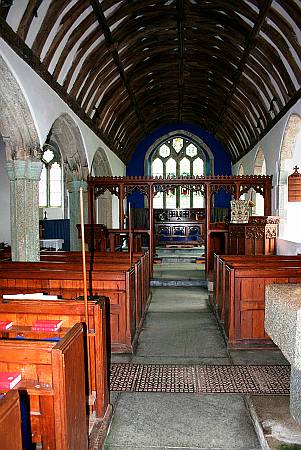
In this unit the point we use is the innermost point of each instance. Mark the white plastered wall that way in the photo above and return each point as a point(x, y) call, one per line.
point(46, 106)
point(271, 145)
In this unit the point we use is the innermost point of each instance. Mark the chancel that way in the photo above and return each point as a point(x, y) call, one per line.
point(150, 243)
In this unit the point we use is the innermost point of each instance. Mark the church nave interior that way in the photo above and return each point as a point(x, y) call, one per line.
point(150, 187)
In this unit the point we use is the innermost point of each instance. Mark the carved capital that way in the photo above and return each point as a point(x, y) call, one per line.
point(24, 169)
point(75, 185)
point(30, 152)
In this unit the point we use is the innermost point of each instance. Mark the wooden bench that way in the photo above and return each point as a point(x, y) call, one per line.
point(10, 422)
point(53, 376)
point(220, 262)
point(117, 284)
point(110, 258)
point(23, 313)
point(100, 262)
point(245, 300)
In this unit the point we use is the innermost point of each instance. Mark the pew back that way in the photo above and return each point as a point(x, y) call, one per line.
point(221, 261)
point(245, 300)
point(54, 378)
point(23, 313)
point(118, 285)
point(10, 422)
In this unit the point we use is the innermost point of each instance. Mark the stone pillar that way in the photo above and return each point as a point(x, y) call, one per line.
point(295, 394)
point(74, 210)
point(24, 176)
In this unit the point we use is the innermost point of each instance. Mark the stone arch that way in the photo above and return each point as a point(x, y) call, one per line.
point(287, 159)
point(16, 122)
point(19, 142)
point(259, 163)
point(100, 164)
point(241, 170)
point(259, 168)
point(101, 168)
point(66, 135)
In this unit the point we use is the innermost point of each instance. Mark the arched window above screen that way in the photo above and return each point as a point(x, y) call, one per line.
point(175, 157)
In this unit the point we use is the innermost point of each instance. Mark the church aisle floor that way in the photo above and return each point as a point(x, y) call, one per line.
point(180, 329)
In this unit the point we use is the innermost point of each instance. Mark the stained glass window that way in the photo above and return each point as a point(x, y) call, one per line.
point(177, 144)
point(184, 197)
point(173, 158)
point(198, 200)
point(171, 199)
point(164, 151)
point(185, 167)
point(171, 168)
point(158, 200)
point(157, 168)
point(50, 185)
point(191, 150)
point(43, 188)
point(198, 167)
point(55, 185)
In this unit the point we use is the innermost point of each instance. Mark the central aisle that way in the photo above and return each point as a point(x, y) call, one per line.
point(179, 329)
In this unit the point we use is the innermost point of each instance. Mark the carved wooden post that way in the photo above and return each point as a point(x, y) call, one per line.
point(207, 224)
point(91, 204)
point(236, 190)
point(152, 248)
point(267, 192)
point(121, 206)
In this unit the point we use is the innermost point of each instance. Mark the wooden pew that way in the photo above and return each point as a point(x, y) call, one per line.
point(220, 262)
point(245, 300)
point(53, 376)
point(23, 313)
point(10, 422)
point(109, 257)
point(117, 284)
point(109, 263)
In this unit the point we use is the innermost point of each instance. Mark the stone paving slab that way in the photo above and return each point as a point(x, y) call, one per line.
point(263, 357)
point(179, 360)
point(187, 421)
point(273, 421)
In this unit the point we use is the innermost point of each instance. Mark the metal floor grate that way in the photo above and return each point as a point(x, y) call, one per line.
point(205, 379)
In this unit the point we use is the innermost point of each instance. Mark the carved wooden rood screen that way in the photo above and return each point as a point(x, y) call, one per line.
point(123, 187)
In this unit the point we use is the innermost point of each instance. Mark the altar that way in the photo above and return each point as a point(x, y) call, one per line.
point(50, 244)
point(180, 226)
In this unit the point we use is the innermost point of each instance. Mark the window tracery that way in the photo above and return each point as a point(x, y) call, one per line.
point(173, 158)
point(50, 185)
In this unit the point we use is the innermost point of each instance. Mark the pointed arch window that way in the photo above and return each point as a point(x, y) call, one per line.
point(173, 158)
point(50, 185)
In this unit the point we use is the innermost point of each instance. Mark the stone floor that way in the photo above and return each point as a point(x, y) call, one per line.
point(180, 329)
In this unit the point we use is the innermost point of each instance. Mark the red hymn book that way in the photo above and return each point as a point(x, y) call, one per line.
point(9, 379)
point(5, 324)
point(46, 325)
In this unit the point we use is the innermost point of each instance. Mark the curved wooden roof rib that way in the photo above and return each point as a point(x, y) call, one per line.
point(230, 67)
point(28, 16)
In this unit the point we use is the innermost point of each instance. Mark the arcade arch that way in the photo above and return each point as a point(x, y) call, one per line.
point(101, 168)
point(289, 157)
point(259, 169)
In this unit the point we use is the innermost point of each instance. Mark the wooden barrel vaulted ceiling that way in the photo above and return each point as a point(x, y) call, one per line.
point(230, 66)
